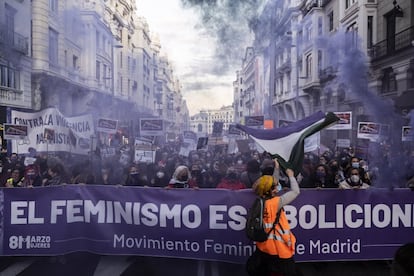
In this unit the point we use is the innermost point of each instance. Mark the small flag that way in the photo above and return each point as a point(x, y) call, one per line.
point(287, 143)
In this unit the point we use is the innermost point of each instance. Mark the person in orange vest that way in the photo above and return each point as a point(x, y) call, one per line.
point(275, 255)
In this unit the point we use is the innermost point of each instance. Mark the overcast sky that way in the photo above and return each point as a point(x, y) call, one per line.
point(191, 51)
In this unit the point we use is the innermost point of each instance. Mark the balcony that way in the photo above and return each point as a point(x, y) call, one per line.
point(10, 95)
point(14, 40)
point(393, 45)
point(327, 74)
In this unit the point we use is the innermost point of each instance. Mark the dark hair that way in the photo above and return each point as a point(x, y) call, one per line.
point(348, 172)
point(253, 166)
point(57, 168)
point(268, 171)
point(403, 264)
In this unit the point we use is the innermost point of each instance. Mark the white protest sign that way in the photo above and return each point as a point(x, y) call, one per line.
point(70, 134)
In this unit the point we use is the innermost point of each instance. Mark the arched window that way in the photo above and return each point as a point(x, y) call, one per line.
point(200, 128)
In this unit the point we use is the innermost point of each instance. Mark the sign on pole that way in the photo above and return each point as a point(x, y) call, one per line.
point(345, 120)
point(369, 130)
point(407, 134)
point(254, 121)
point(107, 126)
point(151, 127)
point(14, 132)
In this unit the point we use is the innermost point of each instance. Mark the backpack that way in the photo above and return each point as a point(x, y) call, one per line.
point(255, 229)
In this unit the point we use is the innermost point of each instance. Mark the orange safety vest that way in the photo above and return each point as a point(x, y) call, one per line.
point(281, 241)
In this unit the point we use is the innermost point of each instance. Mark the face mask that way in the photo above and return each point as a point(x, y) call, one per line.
point(355, 165)
point(278, 187)
point(133, 173)
point(239, 162)
point(160, 174)
point(320, 174)
point(355, 178)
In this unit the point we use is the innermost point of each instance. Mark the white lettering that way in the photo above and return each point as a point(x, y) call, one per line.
point(55, 209)
point(16, 212)
point(73, 209)
point(216, 216)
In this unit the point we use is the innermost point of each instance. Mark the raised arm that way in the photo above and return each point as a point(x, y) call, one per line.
point(294, 191)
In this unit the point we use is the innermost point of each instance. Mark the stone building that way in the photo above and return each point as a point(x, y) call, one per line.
point(95, 57)
point(15, 62)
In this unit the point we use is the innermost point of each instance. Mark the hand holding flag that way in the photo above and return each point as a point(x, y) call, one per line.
point(287, 143)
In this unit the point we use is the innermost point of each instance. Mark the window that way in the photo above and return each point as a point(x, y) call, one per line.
point(320, 26)
point(308, 33)
point(352, 36)
point(309, 66)
point(53, 47)
point(53, 6)
point(370, 31)
point(317, 99)
point(349, 3)
point(9, 23)
point(97, 39)
point(410, 75)
point(341, 95)
point(9, 77)
point(289, 82)
point(329, 98)
point(389, 82)
point(98, 70)
point(331, 21)
point(75, 62)
point(319, 61)
point(105, 74)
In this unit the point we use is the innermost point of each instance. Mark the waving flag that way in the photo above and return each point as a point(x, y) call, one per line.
point(287, 143)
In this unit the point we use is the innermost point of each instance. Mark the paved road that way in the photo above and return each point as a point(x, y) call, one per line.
point(87, 264)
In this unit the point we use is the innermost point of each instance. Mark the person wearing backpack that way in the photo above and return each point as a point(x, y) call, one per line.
point(274, 256)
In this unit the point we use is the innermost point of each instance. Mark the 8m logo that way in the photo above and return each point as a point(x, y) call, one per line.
point(27, 242)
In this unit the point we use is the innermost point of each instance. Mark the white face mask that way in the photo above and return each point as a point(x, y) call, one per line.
point(160, 174)
point(278, 187)
point(355, 178)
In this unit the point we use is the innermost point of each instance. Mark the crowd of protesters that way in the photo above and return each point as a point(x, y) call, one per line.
point(215, 168)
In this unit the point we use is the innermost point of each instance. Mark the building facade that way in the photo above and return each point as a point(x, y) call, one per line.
point(203, 122)
point(392, 54)
point(332, 55)
point(86, 57)
point(15, 61)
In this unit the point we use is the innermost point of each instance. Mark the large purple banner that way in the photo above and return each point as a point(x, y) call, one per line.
point(199, 224)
